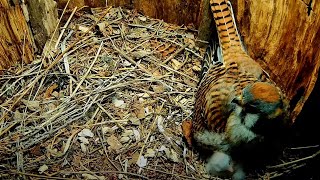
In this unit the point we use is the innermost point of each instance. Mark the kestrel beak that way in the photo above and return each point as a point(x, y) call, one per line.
point(276, 113)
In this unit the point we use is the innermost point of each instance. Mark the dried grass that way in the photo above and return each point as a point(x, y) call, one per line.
point(105, 101)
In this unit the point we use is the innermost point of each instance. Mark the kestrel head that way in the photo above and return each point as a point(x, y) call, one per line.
point(264, 98)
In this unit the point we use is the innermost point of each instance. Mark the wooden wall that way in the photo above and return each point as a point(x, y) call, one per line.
point(15, 36)
point(173, 11)
point(24, 29)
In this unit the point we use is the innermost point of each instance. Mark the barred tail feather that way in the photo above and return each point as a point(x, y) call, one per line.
point(225, 23)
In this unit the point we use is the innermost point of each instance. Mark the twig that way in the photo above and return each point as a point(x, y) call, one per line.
point(186, 177)
point(88, 71)
point(65, 27)
point(305, 147)
point(295, 161)
point(105, 150)
point(65, 60)
point(196, 54)
point(175, 54)
point(36, 175)
point(150, 131)
point(104, 172)
point(30, 86)
point(132, 61)
point(110, 116)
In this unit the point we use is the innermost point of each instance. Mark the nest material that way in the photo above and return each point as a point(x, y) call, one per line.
point(105, 101)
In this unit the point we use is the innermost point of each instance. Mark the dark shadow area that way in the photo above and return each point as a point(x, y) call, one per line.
point(306, 133)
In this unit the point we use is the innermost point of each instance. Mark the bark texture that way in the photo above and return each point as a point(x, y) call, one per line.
point(173, 11)
point(16, 42)
point(43, 16)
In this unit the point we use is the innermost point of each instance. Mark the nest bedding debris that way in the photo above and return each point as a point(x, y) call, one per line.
point(112, 107)
point(107, 104)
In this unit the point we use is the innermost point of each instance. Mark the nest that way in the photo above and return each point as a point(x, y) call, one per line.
point(105, 101)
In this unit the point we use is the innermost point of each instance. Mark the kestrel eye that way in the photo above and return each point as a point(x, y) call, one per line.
point(251, 109)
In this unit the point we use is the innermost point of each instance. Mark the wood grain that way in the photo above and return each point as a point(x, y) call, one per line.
point(15, 37)
point(172, 11)
point(43, 20)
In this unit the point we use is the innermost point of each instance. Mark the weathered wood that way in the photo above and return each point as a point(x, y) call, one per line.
point(206, 25)
point(43, 17)
point(172, 11)
point(15, 37)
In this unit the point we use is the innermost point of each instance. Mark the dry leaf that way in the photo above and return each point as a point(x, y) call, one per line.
point(114, 143)
point(55, 94)
point(108, 130)
point(67, 145)
point(43, 168)
point(168, 51)
point(187, 130)
point(160, 124)
point(124, 139)
point(157, 88)
point(83, 140)
point(150, 153)
point(196, 68)
point(91, 177)
point(136, 134)
point(191, 42)
point(32, 105)
point(83, 147)
point(170, 154)
point(127, 133)
point(140, 54)
point(118, 103)
point(134, 158)
point(145, 95)
point(142, 18)
point(49, 91)
point(17, 116)
point(134, 121)
point(142, 162)
point(53, 152)
point(51, 106)
point(162, 148)
point(102, 28)
point(157, 73)
point(139, 111)
point(36, 150)
point(82, 28)
point(85, 133)
point(126, 63)
point(175, 64)
point(174, 156)
point(148, 110)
